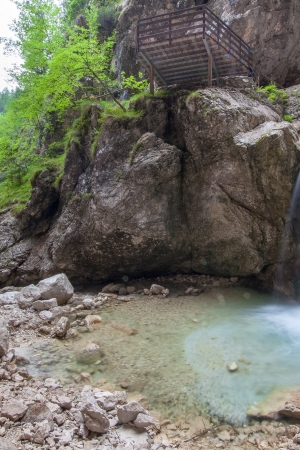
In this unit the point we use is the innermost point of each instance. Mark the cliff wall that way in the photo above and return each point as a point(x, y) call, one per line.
point(195, 182)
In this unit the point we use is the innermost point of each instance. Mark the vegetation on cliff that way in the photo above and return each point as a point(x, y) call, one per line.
point(67, 62)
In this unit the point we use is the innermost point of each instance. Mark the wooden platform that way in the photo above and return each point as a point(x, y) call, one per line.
point(190, 45)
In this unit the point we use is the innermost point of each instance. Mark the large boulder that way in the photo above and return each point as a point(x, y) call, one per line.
point(58, 287)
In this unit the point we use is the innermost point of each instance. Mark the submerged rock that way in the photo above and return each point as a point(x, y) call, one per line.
point(90, 354)
point(232, 367)
point(91, 321)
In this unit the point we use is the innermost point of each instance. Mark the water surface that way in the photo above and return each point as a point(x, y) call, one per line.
point(179, 356)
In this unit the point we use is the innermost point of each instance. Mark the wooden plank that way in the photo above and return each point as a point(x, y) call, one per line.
point(156, 28)
point(175, 13)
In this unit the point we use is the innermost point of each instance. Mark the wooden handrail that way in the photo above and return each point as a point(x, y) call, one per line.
point(146, 29)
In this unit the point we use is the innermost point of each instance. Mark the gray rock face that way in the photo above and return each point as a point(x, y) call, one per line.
point(95, 418)
point(4, 338)
point(213, 199)
point(57, 287)
point(271, 29)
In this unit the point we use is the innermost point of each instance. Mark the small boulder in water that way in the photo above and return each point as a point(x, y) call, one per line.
point(232, 367)
point(90, 354)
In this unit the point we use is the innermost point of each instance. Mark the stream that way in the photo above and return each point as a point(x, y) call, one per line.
point(178, 357)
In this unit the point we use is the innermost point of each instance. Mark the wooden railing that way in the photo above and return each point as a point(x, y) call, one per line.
point(178, 26)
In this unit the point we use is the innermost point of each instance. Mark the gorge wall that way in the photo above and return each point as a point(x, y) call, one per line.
point(195, 182)
point(270, 27)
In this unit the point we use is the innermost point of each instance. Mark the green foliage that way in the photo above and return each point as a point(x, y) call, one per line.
point(193, 95)
point(136, 85)
point(288, 118)
point(274, 94)
point(17, 192)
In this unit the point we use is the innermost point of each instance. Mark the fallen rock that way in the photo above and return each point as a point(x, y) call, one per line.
point(88, 303)
point(72, 334)
point(28, 295)
point(130, 289)
point(62, 400)
point(224, 436)
point(106, 400)
point(128, 413)
point(58, 287)
point(13, 410)
point(232, 367)
point(291, 406)
point(92, 320)
point(38, 412)
point(121, 397)
point(134, 439)
point(95, 418)
point(62, 327)
point(42, 305)
point(10, 298)
point(42, 432)
point(90, 354)
point(112, 288)
point(123, 291)
point(145, 420)
point(6, 444)
point(46, 315)
point(156, 289)
point(4, 338)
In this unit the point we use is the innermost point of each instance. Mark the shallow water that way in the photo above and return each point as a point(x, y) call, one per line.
point(179, 355)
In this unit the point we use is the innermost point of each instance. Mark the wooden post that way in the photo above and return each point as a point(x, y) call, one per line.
point(151, 80)
point(209, 76)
